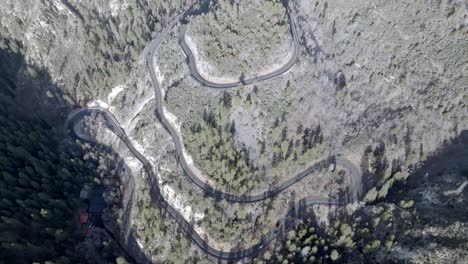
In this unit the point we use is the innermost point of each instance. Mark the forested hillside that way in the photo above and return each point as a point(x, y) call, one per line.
point(87, 46)
point(40, 179)
point(379, 84)
point(237, 38)
point(423, 218)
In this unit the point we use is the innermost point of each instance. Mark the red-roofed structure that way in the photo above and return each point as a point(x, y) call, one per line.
point(84, 217)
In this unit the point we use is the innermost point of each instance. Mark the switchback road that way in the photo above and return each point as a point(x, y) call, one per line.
point(294, 211)
point(281, 70)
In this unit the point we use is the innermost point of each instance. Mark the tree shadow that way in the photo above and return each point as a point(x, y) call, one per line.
point(30, 86)
point(202, 7)
point(37, 98)
point(73, 9)
point(431, 186)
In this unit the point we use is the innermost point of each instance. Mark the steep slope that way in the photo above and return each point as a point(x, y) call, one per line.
point(381, 83)
point(42, 175)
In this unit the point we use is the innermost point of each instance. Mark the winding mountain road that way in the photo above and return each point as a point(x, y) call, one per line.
point(188, 230)
point(281, 70)
point(294, 211)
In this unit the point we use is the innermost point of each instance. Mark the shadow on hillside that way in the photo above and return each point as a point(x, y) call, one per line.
point(28, 92)
point(197, 9)
point(73, 9)
point(432, 186)
point(30, 87)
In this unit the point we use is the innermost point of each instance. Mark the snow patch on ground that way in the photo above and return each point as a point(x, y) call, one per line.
point(458, 190)
point(115, 91)
point(158, 73)
point(165, 169)
point(140, 244)
point(116, 5)
point(98, 103)
point(60, 6)
point(138, 108)
point(186, 211)
point(134, 164)
point(173, 119)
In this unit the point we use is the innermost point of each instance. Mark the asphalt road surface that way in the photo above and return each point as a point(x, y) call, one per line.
point(188, 230)
point(284, 68)
point(294, 211)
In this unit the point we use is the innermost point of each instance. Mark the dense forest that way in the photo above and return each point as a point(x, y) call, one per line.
point(41, 175)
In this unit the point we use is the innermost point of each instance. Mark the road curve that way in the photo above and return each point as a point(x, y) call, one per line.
point(284, 68)
point(179, 147)
point(294, 211)
point(114, 125)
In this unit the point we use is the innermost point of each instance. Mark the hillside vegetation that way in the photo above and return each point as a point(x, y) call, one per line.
point(88, 47)
point(242, 36)
point(40, 180)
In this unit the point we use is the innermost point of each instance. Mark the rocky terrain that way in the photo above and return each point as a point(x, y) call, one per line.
point(384, 84)
point(346, 88)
